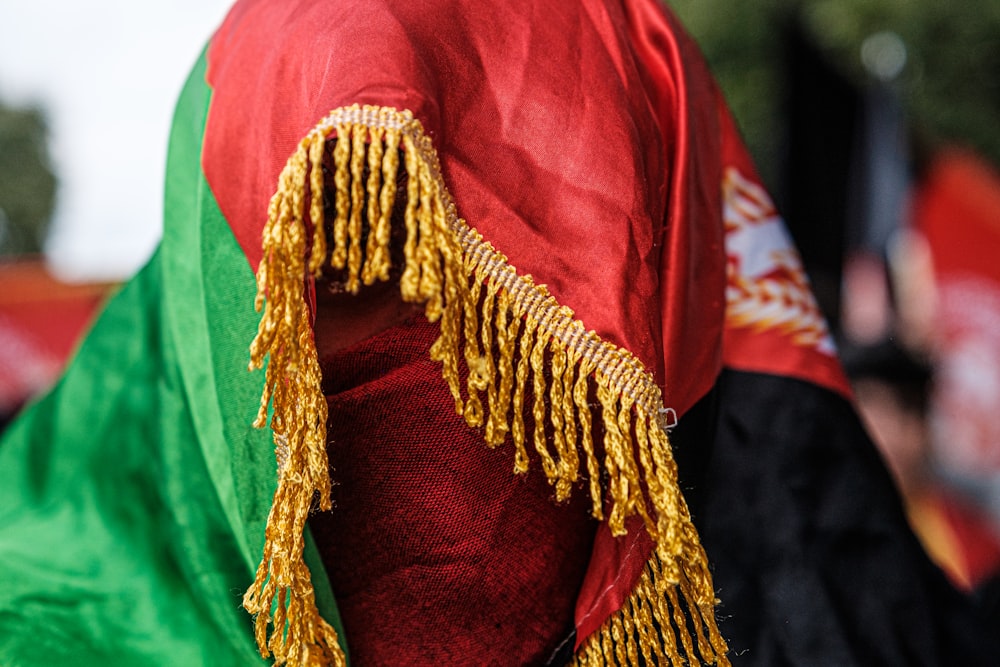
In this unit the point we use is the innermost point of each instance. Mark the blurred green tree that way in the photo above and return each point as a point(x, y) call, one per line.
point(950, 84)
point(27, 182)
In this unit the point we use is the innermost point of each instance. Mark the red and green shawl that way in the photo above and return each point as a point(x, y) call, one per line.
point(573, 183)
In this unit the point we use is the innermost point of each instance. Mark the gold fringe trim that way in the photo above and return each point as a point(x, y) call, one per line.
point(661, 623)
point(504, 328)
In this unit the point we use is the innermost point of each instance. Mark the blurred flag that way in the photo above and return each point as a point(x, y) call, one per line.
point(957, 209)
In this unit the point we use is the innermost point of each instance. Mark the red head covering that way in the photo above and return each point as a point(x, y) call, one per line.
point(573, 137)
point(573, 154)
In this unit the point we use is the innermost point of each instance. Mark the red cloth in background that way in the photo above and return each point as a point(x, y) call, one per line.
point(957, 208)
point(432, 535)
point(41, 320)
point(977, 537)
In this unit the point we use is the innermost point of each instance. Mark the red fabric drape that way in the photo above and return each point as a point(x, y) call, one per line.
point(580, 139)
point(438, 554)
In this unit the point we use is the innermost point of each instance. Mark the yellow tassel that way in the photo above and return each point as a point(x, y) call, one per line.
point(581, 392)
point(569, 456)
point(527, 341)
point(474, 361)
point(538, 409)
point(500, 395)
point(504, 328)
point(357, 199)
point(409, 282)
point(316, 151)
point(377, 251)
point(433, 226)
point(341, 179)
point(650, 645)
point(654, 628)
point(281, 595)
point(492, 319)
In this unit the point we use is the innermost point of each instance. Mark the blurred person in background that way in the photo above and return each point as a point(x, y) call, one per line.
point(893, 389)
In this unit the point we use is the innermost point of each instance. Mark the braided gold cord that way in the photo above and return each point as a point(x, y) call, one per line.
point(341, 179)
point(524, 362)
point(654, 628)
point(474, 361)
point(282, 596)
point(376, 266)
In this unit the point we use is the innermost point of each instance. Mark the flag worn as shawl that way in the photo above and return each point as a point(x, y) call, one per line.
point(574, 189)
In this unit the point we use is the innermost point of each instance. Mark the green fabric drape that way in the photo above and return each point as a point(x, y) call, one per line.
point(133, 497)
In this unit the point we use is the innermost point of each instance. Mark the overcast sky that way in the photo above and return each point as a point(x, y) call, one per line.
point(107, 73)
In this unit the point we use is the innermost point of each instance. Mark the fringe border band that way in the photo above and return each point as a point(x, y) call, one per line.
point(503, 327)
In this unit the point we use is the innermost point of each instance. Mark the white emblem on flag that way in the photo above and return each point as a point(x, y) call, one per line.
point(766, 287)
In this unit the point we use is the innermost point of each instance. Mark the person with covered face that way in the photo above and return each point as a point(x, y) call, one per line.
point(509, 261)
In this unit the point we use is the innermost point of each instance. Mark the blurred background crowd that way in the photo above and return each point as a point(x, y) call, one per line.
point(874, 123)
